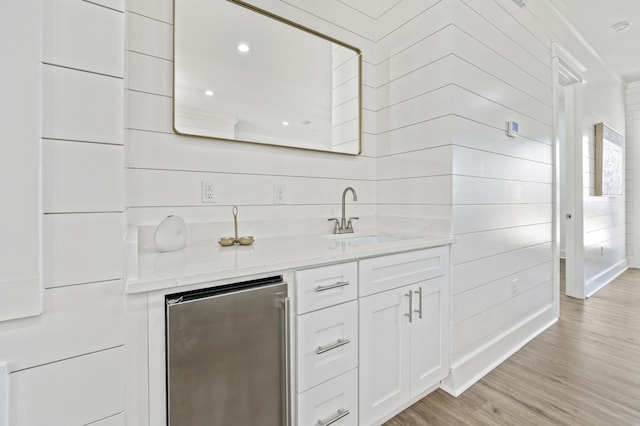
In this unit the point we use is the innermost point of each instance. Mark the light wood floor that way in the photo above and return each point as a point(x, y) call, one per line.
point(584, 370)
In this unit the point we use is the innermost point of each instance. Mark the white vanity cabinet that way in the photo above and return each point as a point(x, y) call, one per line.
point(404, 330)
point(327, 345)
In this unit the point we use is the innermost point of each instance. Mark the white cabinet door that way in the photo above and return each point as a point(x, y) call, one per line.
point(384, 353)
point(429, 337)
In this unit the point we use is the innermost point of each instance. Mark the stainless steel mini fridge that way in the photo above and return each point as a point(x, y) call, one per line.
point(226, 350)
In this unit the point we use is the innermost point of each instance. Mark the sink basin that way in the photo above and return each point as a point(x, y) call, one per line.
point(362, 240)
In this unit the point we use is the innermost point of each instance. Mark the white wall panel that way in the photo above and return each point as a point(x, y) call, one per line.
point(80, 35)
point(493, 12)
point(472, 162)
point(473, 302)
point(470, 49)
point(475, 190)
point(76, 391)
point(427, 106)
point(483, 137)
point(428, 51)
point(490, 243)
point(490, 34)
point(75, 320)
point(466, 276)
point(83, 247)
point(480, 82)
point(173, 152)
point(113, 4)
point(161, 10)
point(429, 19)
point(167, 188)
point(149, 36)
point(423, 190)
point(149, 74)
point(423, 135)
point(426, 162)
point(474, 218)
point(117, 420)
point(82, 106)
point(477, 108)
point(82, 177)
point(478, 330)
point(351, 19)
point(150, 112)
point(423, 80)
point(20, 280)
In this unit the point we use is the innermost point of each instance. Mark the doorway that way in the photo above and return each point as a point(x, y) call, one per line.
point(568, 88)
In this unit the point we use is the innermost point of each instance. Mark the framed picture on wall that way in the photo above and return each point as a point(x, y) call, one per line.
point(609, 161)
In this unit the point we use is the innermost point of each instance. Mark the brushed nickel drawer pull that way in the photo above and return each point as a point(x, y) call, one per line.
point(330, 286)
point(323, 349)
point(340, 414)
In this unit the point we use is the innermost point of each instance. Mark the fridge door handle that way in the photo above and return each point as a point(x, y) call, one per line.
point(287, 361)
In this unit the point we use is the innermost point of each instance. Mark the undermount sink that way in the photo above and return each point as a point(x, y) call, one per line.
point(362, 240)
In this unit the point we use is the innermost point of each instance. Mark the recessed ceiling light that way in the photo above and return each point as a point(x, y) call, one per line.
point(209, 92)
point(621, 26)
point(285, 123)
point(243, 47)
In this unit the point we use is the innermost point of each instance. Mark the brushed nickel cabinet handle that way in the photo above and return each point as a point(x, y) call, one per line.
point(320, 288)
point(323, 349)
point(340, 414)
point(419, 310)
point(410, 314)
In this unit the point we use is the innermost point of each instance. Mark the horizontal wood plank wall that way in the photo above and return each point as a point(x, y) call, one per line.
point(68, 362)
point(604, 216)
point(632, 139)
point(414, 69)
point(502, 187)
point(165, 170)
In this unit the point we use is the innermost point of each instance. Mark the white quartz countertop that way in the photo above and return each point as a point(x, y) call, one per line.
point(205, 262)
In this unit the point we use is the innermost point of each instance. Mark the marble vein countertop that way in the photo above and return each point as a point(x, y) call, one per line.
point(204, 262)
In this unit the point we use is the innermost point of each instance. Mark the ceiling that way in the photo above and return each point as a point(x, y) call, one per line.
point(594, 19)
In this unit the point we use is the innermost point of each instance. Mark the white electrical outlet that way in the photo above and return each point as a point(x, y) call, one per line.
point(279, 193)
point(514, 288)
point(208, 191)
point(4, 394)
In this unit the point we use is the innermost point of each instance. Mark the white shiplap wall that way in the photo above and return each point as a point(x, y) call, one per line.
point(165, 170)
point(67, 365)
point(632, 175)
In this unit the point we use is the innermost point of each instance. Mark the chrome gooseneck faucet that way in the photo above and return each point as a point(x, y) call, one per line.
point(342, 225)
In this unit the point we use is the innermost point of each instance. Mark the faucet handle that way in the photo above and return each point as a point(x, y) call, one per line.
point(335, 229)
point(349, 224)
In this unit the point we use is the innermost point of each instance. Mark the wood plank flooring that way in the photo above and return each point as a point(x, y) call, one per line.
point(584, 370)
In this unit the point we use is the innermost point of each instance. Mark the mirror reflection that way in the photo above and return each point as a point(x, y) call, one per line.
point(243, 74)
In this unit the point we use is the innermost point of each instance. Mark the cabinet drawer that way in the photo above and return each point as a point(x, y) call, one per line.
point(332, 399)
point(387, 272)
point(325, 286)
point(327, 344)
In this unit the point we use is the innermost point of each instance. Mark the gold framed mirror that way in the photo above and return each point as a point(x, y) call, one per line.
point(244, 74)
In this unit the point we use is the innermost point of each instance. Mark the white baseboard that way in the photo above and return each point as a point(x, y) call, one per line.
point(468, 370)
point(604, 278)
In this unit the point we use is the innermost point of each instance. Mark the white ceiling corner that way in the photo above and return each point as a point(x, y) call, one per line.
point(373, 9)
point(594, 20)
